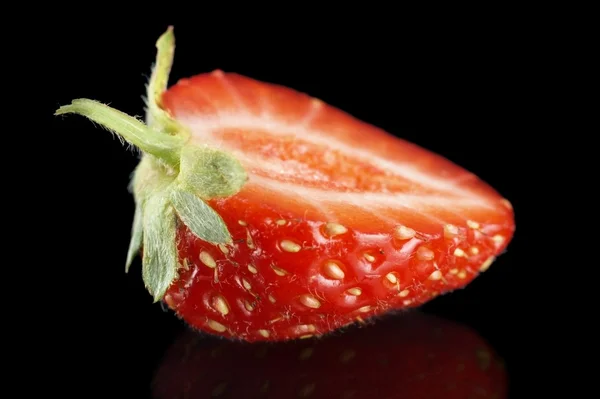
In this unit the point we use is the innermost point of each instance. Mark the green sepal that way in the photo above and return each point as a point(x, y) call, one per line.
point(136, 236)
point(199, 217)
point(161, 145)
point(160, 260)
point(156, 115)
point(210, 173)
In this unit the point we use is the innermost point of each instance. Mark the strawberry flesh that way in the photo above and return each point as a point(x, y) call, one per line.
point(338, 222)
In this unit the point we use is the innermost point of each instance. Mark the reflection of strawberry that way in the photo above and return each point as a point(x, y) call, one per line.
point(265, 214)
point(415, 356)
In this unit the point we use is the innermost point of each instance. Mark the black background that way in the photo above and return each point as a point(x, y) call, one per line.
point(464, 97)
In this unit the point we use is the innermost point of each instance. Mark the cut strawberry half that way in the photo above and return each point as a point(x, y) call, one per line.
point(265, 214)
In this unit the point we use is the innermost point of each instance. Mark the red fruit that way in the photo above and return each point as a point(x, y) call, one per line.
point(415, 356)
point(315, 219)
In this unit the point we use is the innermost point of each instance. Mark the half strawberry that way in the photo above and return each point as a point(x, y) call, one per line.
point(265, 214)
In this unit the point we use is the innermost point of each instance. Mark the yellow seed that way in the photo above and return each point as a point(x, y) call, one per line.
point(310, 301)
point(224, 249)
point(436, 275)
point(498, 239)
point(170, 301)
point(278, 271)
point(472, 224)
point(289, 246)
point(391, 277)
point(459, 253)
point(450, 231)
point(305, 329)
point(404, 233)
point(369, 257)
point(249, 307)
point(264, 333)
point(332, 270)
point(207, 259)
point(186, 264)
point(249, 240)
point(252, 269)
point(354, 291)
point(424, 253)
point(215, 325)
point(486, 265)
point(334, 229)
point(221, 305)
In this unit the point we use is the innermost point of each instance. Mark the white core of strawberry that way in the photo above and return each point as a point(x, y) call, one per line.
point(202, 130)
point(173, 179)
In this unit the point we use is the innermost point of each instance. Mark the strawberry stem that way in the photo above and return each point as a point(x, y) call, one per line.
point(163, 146)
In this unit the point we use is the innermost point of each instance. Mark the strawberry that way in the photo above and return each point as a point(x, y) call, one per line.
point(415, 356)
point(265, 214)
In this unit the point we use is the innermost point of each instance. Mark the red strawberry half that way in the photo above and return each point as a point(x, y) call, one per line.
point(415, 356)
point(265, 214)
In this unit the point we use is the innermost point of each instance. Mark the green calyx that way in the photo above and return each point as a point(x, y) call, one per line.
point(173, 180)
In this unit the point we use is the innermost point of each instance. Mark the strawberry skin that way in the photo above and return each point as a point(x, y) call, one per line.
point(415, 356)
point(323, 238)
point(263, 214)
